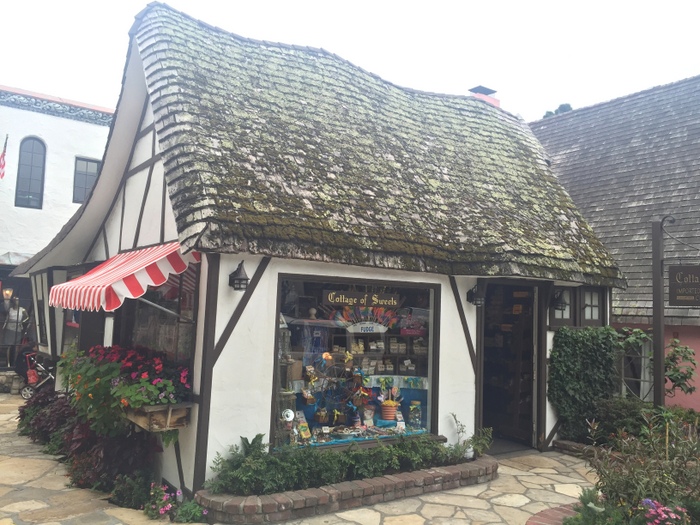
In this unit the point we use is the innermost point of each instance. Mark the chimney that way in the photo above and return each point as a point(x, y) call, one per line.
point(484, 93)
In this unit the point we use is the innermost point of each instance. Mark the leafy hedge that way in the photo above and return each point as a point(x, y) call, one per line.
point(251, 470)
point(583, 369)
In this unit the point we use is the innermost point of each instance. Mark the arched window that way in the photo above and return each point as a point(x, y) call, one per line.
point(30, 174)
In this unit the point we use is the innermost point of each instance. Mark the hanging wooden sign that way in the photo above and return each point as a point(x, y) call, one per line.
point(684, 286)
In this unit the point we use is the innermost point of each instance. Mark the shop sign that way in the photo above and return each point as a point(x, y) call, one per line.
point(684, 286)
point(336, 298)
point(366, 327)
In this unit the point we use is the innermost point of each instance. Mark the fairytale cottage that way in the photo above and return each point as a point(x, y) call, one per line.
point(303, 231)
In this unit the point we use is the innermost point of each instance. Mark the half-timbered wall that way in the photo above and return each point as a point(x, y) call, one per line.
point(141, 214)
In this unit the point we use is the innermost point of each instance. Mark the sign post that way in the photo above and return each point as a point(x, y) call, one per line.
point(657, 286)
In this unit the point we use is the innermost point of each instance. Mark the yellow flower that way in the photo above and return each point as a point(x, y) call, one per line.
point(90, 396)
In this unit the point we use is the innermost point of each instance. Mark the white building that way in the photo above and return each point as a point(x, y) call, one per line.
point(420, 236)
point(53, 153)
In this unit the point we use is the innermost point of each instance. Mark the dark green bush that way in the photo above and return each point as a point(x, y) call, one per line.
point(131, 490)
point(582, 371)
point(247, 470)
point(660, 463)
point(619, 413)
point(593, 511)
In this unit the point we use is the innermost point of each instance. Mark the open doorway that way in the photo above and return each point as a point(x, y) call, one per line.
point(509, 349)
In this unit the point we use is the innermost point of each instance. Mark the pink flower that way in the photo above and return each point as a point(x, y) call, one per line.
point(157, 380)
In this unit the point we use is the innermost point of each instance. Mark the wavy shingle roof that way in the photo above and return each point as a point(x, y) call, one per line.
point(294, 152)
point(626, 163)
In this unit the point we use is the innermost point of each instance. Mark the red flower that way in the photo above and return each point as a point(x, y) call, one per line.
point(144, 375)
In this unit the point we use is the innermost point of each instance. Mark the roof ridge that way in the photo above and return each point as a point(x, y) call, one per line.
point(51, 98)
point(312, 49)
point(617, 100)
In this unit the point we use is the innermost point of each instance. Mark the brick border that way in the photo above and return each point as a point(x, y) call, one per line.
point(225, 508)
point(553, 516)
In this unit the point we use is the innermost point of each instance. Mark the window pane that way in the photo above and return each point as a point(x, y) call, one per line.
point(165, 332)
point(85, 176)
point(30, 174)
point(591, 310)
point(344, 347)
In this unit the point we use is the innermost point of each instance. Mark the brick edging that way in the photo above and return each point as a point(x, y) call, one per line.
point(225, 508)
point(555, 516)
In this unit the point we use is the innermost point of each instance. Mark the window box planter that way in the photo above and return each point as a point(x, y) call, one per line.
point(159, 418)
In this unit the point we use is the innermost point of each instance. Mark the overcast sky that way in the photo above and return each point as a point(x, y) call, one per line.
point(536, 54)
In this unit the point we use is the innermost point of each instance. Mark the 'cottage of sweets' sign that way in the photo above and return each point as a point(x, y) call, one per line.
point(335, 298)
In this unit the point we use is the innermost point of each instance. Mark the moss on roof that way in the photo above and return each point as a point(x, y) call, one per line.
point(294, 152)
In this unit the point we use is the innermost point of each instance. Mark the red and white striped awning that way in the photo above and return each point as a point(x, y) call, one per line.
point(125, 276)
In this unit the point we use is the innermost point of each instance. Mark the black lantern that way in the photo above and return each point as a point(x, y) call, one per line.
point(238, 280)
point(559, 302)
point(475, 298)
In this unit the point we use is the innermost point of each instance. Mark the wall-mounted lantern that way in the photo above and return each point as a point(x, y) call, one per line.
point(474, 297)
point(7, 293)
point(238, 280)
point(559, 302)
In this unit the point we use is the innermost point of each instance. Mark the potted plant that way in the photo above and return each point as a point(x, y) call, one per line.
point(151, 390)
point(389, 400)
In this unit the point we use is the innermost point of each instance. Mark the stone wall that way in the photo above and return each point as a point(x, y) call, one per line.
point(10, 382)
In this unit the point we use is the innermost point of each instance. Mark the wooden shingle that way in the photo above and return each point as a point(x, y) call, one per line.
point(294, 152)
point(628, 162)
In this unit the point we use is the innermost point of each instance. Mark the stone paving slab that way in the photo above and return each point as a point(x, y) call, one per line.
point(33, 489)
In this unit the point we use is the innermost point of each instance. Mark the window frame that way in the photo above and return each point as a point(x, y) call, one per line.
point(433, 351)
point(26, 195)
point(85, 189)
point(577, 306)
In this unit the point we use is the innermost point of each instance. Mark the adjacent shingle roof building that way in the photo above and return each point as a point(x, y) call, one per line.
point(626, 163)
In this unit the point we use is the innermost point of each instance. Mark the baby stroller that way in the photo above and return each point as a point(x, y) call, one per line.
point(34, 373)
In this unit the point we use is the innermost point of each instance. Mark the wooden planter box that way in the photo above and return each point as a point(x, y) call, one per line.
point(159, 418)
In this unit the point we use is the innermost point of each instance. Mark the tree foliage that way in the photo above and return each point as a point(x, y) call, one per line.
point(563, 108)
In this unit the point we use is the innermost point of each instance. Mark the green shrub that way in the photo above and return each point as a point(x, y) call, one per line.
point(131, 490)
point(679, 366)
point(582, 370)
point(249, 470)
point(619, 413)
point(592, 510)
point(371, 462)
point(596, 510)
point(660, 463)
point(190, 512)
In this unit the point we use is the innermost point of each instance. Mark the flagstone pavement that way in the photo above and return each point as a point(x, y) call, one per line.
point(532, 488)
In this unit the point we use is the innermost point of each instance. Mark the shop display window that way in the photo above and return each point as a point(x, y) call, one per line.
point(163, 319)
point(354, 361)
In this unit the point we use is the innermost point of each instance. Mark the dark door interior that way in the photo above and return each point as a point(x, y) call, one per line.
point(508, 361)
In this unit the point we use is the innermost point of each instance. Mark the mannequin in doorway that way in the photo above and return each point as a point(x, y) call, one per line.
point(13, 328)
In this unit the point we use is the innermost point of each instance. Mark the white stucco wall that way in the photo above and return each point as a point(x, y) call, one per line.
point(28, 230)
point(242, 382)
